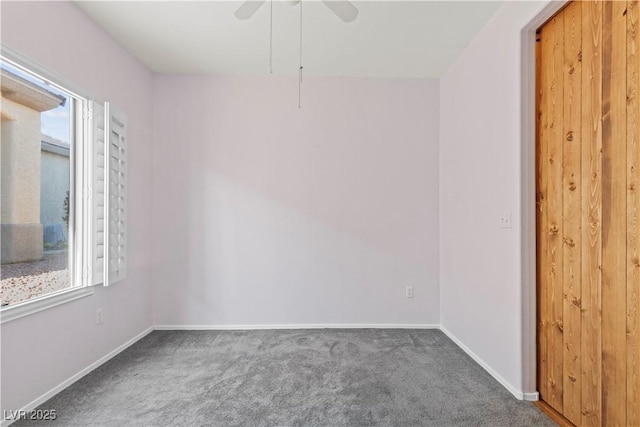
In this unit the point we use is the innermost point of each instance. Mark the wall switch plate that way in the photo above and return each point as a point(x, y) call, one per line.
point(98, 316)
point(504, 219)
point(408, 293)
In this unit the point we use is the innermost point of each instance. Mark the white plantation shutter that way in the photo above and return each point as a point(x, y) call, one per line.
point(116, 177)
point(98, 213)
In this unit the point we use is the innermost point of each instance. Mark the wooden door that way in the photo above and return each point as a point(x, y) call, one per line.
point(588, 212)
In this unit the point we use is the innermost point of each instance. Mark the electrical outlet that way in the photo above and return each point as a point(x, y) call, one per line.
point(408, 293)
point(504, 219)
point(98, 316)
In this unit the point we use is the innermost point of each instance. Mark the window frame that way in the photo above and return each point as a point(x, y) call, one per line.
point(80, 176)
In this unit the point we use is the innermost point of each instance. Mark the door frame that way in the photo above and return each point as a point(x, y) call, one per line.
point(528, 197)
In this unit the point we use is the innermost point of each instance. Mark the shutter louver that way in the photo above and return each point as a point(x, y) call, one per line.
point(116, 176)
point(98, 198)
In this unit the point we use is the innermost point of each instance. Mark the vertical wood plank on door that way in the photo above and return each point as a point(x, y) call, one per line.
point(571, 210)
point(543, 44)
point(554, 212)
point(633, 213)
point(591, 337)
point(588, 201)
point(614, 218)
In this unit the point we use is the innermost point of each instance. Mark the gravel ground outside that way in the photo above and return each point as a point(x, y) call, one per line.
point(22, 281)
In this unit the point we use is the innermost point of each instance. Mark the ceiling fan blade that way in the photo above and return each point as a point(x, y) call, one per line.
point(343, 9)
point(248, 9)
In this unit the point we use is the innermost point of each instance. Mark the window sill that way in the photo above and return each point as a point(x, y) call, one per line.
point(45, 302)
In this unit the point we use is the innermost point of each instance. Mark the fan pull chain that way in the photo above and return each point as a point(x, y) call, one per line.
point(300, 69)
point(271, 37)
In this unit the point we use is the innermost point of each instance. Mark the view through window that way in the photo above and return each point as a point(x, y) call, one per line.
point(36, 192)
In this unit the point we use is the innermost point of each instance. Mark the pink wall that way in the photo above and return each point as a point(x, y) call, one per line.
point(42, 350)
point(486, 289)
point(265, 214)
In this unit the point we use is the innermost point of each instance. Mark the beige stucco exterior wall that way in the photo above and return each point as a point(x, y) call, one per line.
point(21, 237)
point(20, 152)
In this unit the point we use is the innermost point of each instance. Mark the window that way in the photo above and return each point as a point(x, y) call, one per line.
point(63, 190)
point(38, 150)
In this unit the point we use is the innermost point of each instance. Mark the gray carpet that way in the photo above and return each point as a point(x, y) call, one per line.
point(364, 377)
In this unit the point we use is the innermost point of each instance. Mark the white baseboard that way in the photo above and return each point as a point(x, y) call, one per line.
point(532, 397)
point(66, 383)
point(519, 394)
point(301, 326)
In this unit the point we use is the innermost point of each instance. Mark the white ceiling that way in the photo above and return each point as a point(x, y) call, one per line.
point(388, 39)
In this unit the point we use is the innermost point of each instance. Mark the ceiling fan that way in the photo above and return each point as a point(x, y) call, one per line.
point(342, 8)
